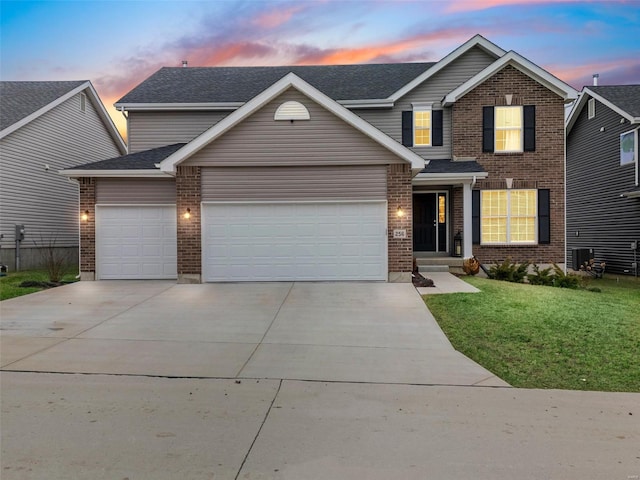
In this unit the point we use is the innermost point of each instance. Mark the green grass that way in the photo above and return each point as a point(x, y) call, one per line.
point(545, 337)
point(9, 285)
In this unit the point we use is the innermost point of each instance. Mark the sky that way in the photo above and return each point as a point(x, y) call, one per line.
point(117, 44)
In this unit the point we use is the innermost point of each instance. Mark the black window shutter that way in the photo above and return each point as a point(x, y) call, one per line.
point(436, 128)
point(487, 129)
point(407, 128)
point(544, 217)
point(529, 128)
point(475, 216)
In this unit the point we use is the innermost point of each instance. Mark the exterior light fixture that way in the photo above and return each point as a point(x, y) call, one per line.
point(400, 212)
point(187, 214)
point(85, 215)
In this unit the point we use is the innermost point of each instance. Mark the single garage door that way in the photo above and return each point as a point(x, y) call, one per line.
point(294, 241)
point(136, 242)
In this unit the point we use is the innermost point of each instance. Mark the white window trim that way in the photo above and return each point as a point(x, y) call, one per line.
point(508, 217)
point(495, 130)
point(423, 107)
point(591, 107)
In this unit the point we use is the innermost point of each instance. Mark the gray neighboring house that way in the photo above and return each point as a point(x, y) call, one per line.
point(46, 127)
point(603, 192)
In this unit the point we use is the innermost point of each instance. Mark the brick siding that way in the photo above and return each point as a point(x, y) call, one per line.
point(88, 227)
point(542, 169)
point(188, 234)
point(399, 193)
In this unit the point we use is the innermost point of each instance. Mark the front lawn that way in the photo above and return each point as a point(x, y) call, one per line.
point(545, 337)
point(9, 285)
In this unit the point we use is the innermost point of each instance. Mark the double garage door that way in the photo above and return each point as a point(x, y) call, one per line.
point(278, 241)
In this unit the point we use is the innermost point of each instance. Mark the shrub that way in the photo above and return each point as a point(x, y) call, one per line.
point(541, 277)
point(508, 271)
point(564, 280)
point(55, 262)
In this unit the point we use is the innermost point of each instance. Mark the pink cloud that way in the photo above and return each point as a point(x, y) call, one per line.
point(275, 18)
point(474, 5)
point(612, 72)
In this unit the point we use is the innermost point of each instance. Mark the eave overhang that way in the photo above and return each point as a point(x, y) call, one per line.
point(448, 178)
point(76, 173)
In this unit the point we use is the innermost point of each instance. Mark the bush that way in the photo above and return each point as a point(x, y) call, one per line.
point(564, 280)
point(541, 277)
point(54, 261)
point(508, 271)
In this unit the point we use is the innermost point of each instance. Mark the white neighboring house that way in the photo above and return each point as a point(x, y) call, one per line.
point(46, 127)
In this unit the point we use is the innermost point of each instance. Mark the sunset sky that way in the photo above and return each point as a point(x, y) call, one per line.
point(117, 44)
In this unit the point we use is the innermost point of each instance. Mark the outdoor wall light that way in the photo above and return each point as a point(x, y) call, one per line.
point(400, 212)
point(85, 215)
point(187, 214)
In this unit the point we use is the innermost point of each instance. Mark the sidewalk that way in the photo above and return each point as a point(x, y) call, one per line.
point(445, 283)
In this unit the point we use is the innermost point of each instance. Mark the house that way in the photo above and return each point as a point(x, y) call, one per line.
point(46, 127)
point(340, 172)
point(603, 192)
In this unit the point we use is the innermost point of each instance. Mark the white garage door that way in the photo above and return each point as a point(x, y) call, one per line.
point(136, 242)
point(294, 241)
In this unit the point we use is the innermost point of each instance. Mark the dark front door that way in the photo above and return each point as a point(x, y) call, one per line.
point(425, 217)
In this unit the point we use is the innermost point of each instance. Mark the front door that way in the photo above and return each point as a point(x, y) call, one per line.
point(425, 220)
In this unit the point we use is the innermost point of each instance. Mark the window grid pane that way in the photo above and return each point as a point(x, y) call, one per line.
point(508, 216)
point(508, 129)
point(422, 128)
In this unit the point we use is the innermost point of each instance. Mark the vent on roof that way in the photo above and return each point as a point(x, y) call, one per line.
point(83, 102)
point(292, 111)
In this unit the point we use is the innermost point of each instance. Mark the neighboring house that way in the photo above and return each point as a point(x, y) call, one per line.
point(46, 127)
point(330, 172)
point(603, 192)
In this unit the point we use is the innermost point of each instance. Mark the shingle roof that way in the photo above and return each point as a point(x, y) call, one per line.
point(20, 99)
point(448, 166)
point(144, 160)
point(240, 84)
point(625, 97)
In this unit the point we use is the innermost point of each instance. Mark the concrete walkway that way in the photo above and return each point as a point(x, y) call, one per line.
point(446, 283)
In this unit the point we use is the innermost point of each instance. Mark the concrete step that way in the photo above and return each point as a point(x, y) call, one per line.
point(439, 264)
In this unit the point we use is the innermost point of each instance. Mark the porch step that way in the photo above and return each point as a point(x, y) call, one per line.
point(439, 264)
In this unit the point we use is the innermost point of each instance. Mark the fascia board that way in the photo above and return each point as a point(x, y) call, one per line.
point(367, 103)
point(75, 173)
point(575, 111)
point(612, 106)
point(423, 178)
point(289, 80)
point(131, 107)
point(476, 41)
point(530, 69)
point(582, 100)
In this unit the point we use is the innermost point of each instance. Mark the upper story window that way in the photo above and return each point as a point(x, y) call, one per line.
point(508, 129)
point(422, 127)
point(591, 107)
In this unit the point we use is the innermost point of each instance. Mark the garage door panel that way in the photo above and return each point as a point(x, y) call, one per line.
point(136, 242)
point(307, 241)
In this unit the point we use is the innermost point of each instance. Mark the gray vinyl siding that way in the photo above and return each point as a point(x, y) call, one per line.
point(601, 218)
point(323, 140)
point(136, 191)
point(149, 130)
point(433, 90)
point(43, 200)
point(367, 182)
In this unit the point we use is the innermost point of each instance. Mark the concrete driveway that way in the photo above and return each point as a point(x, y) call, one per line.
point(281, 381)
point(349, 332)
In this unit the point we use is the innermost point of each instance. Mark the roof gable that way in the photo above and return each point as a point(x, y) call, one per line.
point(520, 63)
point(291, 80)
point(23, 102)
point(623, 99)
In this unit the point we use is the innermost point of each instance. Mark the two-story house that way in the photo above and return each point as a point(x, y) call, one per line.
point(45, 127)
point(603, 192)
point(340, 172)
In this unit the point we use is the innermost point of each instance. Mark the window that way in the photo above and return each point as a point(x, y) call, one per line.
point(508, 129)
point(508, 216)
point(592, 108)
point(422, 127)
